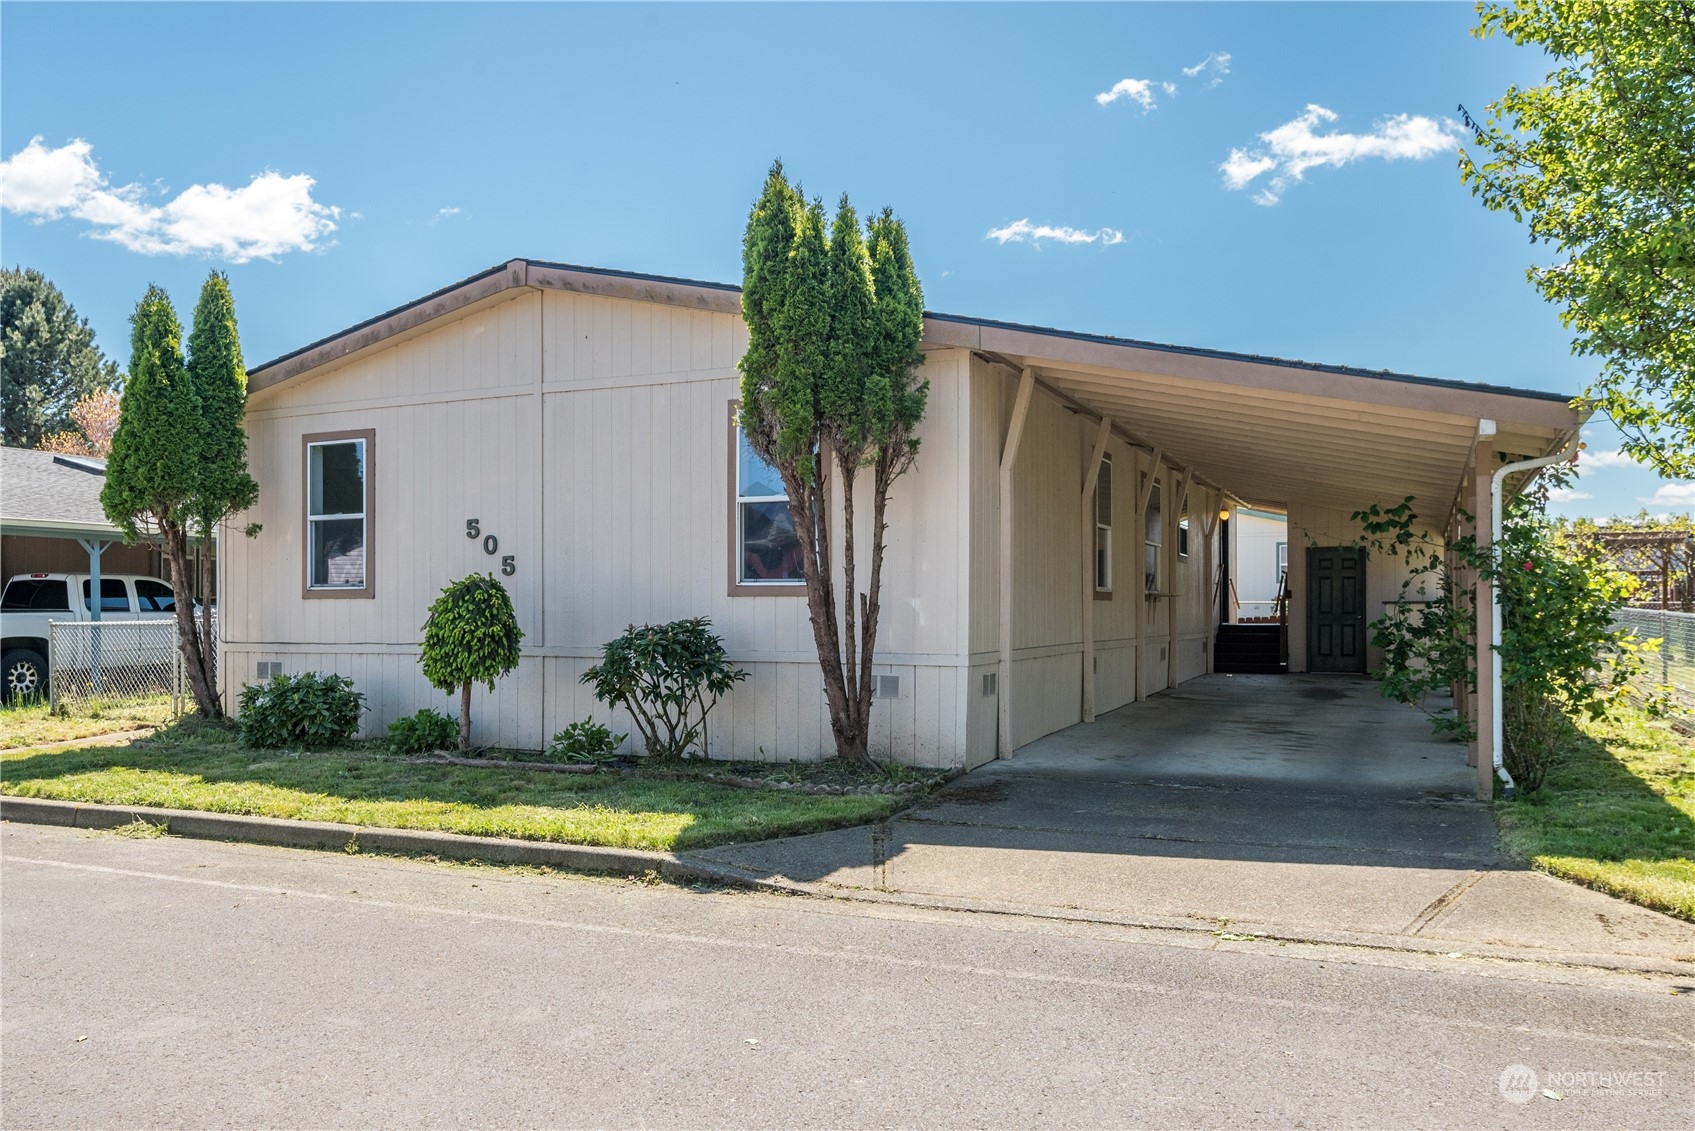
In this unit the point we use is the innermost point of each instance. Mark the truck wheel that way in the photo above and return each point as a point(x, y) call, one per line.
point(23, 675)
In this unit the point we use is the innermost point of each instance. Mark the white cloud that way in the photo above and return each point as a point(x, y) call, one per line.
point(1217, 65)
point(1022, 231)
point(1296, 146)
point(1673, 495)
point(444, 214)
point(1593, 461)
point(1139, 91)
point(1567, 494)
point(270, 215)
point(1241, 167)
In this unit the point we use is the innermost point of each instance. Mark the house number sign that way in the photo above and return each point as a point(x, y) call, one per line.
point(491, 546)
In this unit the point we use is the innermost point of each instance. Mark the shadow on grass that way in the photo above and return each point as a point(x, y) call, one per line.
point(1617, 813)
point(199, 765)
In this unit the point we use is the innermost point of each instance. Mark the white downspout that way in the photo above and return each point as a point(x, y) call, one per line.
point(1497, 721)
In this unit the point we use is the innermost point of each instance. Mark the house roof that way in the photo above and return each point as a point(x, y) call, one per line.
point(53, 495)
point(1268, 430)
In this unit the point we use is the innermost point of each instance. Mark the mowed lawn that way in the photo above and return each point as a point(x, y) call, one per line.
point(1617, 813)
point(202, 767)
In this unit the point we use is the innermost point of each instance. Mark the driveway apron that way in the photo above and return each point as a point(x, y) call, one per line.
point(1247, 804)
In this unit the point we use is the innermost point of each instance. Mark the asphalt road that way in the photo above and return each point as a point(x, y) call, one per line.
point(181, 983)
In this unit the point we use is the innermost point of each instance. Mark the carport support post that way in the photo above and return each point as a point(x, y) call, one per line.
point(95, 549)
point(1090, 478)
point(1483, 507)
point(1179, 503)
point(1139, 610)
point(1009, 459)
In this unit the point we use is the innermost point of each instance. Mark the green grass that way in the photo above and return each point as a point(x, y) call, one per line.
point(32, 724)
point(1617, 814)
point(195, 765)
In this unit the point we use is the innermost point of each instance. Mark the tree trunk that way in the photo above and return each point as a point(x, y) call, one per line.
point(208, 637)
point(464, 717)
point(188, 634)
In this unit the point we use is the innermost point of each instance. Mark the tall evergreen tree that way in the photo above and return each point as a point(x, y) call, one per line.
point(153, 472)
point(829, 383)
point(48, 359)
point(219, 378)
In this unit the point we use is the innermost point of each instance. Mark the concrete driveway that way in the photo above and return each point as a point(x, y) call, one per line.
point(1297, 806)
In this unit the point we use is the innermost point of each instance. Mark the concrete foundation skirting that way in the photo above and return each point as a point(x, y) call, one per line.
point(326, 835)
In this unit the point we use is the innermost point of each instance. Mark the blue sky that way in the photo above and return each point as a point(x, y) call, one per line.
point(1062, 165)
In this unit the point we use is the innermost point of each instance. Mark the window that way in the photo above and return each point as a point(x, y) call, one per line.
point(1183, 537)
point(154, 596)
point(1153, 538)
point(1103, 528)
point(339, 496)
point(1282, 562)
point(762, 532)
point(36, 594)
point(114, 598)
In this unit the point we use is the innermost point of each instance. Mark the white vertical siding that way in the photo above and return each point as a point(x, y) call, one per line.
point(1384, 576)
point(591, 436)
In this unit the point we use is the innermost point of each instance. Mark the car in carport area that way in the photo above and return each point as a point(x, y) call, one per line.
point(32, 603)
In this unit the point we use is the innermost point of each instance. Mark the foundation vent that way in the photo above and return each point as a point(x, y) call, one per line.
point(886, 687)
point(268, 668)
point(991, 684)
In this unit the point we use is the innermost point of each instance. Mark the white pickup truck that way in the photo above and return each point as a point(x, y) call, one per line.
point(32, 601)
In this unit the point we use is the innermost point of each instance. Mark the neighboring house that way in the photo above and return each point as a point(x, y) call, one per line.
point(571, 430)
point(51, 521)
point(50, 516)
point(1259, 561)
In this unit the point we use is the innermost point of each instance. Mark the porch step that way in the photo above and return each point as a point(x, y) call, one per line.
point(1249, 649)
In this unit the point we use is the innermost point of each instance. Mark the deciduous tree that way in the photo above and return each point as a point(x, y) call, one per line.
point(1599, 162)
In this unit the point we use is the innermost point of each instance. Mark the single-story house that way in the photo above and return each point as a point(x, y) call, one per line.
point(1055, 553)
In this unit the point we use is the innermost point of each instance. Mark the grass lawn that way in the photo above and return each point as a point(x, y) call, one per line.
point(194, 765)
point(1617, 813)
point(32, 724)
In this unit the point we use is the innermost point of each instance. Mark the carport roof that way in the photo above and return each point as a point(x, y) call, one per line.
point(1269, 431)
point(54, 496)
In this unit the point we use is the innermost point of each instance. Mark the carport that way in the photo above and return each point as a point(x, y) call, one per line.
point(1214, 429)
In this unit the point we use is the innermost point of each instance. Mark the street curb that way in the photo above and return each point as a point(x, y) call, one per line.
point(1255, 933)
point(329, 836)
point(333, 837)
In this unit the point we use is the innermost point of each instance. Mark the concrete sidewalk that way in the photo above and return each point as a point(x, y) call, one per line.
point(1290, 807)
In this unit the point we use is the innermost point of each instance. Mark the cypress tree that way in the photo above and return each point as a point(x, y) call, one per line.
point(219, 378)
point(153, 474)
point(829, 374)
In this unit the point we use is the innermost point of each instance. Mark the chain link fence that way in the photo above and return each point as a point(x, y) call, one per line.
point(1674, 666)
point(100, 664)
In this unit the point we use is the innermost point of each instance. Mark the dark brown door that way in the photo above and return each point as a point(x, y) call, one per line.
point(1335, 609)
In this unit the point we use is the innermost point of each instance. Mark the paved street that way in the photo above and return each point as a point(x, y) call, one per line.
point(179, 983)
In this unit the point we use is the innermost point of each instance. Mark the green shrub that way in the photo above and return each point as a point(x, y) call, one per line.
point(470, 636)
point(587, 742)
point(309, 710)
point(1534, 733)
point(669, 677)
point(422, 733)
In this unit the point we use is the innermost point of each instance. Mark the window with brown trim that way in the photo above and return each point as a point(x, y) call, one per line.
point(339, 508)
point(765, 553)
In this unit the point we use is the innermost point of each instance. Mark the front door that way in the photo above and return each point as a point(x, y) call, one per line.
point(1335, 609)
